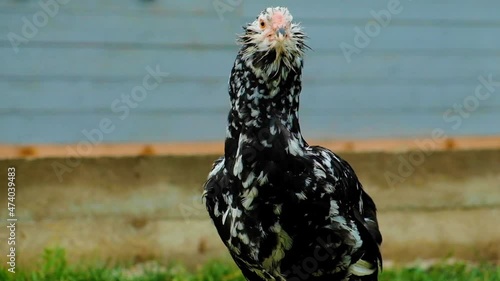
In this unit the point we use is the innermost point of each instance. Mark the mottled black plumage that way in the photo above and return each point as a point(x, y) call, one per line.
point(284, 209)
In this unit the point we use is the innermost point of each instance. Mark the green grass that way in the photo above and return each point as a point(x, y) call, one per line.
point(55, 268)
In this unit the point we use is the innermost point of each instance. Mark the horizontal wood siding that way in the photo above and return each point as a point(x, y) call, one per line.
point(402, 84)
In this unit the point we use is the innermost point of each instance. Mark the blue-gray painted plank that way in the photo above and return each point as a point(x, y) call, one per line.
point(412, 38)
point(394, 67)
point(115, 63)
point(199, 32)
point(318, 9)
point(419, 10)
point(127, 29)
point(100, 96)
point(201, 64)
point(143, 8)
point(344, 98)
point(63, 96)
point(181, 127)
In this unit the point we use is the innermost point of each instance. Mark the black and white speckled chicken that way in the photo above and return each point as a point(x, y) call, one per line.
point(284, 209)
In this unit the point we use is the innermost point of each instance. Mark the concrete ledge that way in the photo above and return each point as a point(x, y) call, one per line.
point(132, 209)
point(12, 151)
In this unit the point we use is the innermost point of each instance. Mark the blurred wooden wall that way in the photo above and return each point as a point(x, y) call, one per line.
point(66, 77)
point(134, 209)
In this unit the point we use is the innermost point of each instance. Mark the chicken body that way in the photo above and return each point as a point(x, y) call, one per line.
point(284, 209)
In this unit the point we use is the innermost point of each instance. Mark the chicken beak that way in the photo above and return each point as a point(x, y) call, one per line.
point(281, 33)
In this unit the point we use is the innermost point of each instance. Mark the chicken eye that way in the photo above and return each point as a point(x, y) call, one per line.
point(262, 24)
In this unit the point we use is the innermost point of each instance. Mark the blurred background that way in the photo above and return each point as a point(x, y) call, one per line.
point(66, 70)
point(112, 112)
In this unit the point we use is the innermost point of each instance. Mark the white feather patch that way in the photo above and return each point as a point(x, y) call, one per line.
point(334, 208)
point(294, 148)
point(262, 179)
point(249, 180)
point(301, 196)
point(248, 197)
point(362, 268)
point(216, 169)
point(225, 216)
point(238, 166)
point(318, 172)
